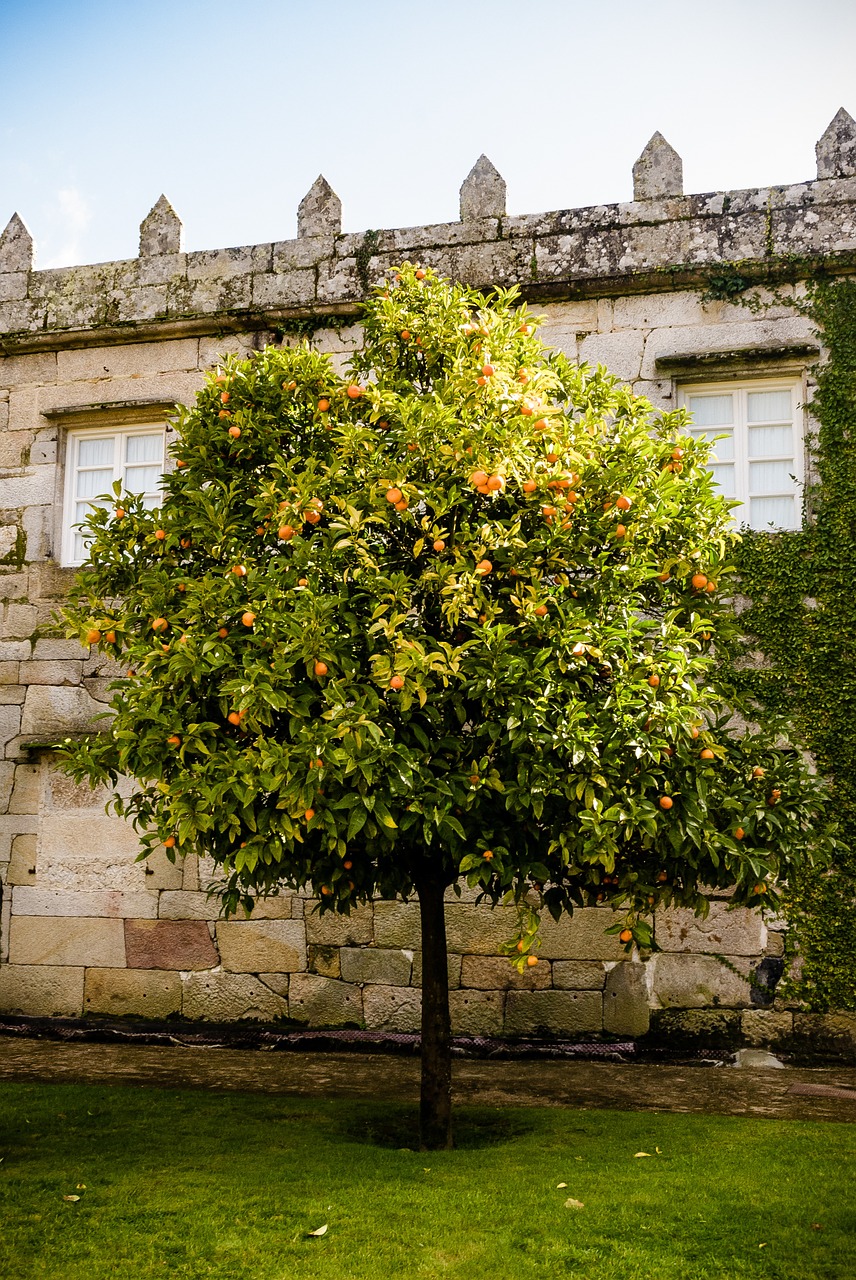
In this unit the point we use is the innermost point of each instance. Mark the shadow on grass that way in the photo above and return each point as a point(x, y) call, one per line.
point(397, 1127)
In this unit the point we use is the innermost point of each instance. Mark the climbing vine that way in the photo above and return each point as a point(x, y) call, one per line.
point(802, 615)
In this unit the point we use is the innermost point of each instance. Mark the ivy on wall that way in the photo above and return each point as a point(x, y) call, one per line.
point(801, 588)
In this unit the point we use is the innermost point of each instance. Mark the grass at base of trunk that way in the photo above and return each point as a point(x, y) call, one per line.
point(191, 1184)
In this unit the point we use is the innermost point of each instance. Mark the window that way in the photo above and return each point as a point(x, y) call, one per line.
point(759, 458)
point(97, 458)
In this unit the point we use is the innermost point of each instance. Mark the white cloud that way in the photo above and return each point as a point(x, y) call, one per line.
point(69, 216)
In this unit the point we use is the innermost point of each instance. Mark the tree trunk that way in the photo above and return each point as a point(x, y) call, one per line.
point(435, 1107)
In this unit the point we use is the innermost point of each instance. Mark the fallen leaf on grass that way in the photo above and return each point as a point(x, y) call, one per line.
point(641, 1153)
point(319, 1232)
point(71, 1197)
point(560, 1184)
point(816, 1226)
point(81, 1186)
point(574, 1204)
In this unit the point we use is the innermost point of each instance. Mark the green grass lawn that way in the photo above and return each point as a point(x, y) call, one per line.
point(193, 1184)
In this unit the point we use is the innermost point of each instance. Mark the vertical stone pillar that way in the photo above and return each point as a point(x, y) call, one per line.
point(160, 231)
point(482, 192)
point(16, 259)
point(836, 149)
point(659, 171)
point(320, 211)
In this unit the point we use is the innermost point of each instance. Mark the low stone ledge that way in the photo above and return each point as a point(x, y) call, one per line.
point(123, 992)
point(477, 1013)
point(228, 997)
point(550, 1014)
point(323, 1002)
point(392, 1008)
point(41, 991)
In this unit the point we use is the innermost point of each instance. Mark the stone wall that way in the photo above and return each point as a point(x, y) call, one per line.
point(84, 927)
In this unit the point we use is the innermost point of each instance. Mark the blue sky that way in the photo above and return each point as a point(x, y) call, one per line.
point(233, 109)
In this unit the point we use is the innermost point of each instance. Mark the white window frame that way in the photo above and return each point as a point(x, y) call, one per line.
point(793, 383)
point(72, 469)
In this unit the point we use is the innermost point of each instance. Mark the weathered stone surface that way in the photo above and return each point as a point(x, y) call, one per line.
point(497, 973)
point(392, 1008)
point(56, 673)
point(22, 863)
point(827, 1032)
point(160, 873)
point(278, 982)
point(112, 903)
point(227, 997)
point(482, 192)
point(836, 149)
point(323, 960)
point(41, 991)
point(320, 211)
point(169, 944)
point(396, 924)
point(88, 851)
point(49, 711)
point(16, 247)
point(323, 1002)
point(625, 1000)
point(255, 946)
point(333, 929)
point(66, 940)
point(553, 1013)
point(581, 936)
point(696, 981)
point(477, 1013)
point(184, 905)
point(579, 975)
point(160, 230)
point(473, 930)
point(728, 931)
point(658, 172)
point(376, 964)
point(762, 1027)
point(139, 992)
point(28, 789)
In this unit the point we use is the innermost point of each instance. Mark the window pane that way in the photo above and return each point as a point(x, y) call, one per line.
point(711, 411)
point(770, 442)
point(142, 479)
point(781, 513)
point(151, 502)
point(771, 477)
point(80, 547)
point(96, 452)
point(769, 406)
point(724, 478)
point(91, 483)
point(723, 450)
point(146, 448)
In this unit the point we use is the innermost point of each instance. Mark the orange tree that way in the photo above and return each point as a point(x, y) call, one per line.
point(453, 614)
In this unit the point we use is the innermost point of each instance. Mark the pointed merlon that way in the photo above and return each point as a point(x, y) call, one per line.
point(836, 150)
point(320, 211)
point(160, 231)
point(659, 171)
point(482, 192)
point(16, 246)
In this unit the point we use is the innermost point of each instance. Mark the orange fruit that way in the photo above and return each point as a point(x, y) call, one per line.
point(760, 888)
point(739, 833)
point(160, 534)
point(224, 397)
point(699, 581)
point(479, 477)
point(624, 503)
point(541, 611)
point(402, 505)
point(654, 681)
point(323, 406)
point(626, 935)
point(173, 740)
point(303, 582)
point(439, 545)
point(483, 568)
point(169, 843)
point(620, 531)
point(222, 633)
point(540, 425)
point(526, 410)
point(311, 516)
point(320, 668)
point(179, 462)
point(309, 814)
point(694, 731)
point(93, 636)
point(239, 570)
point(234, 432)
point(663, 577)
point(393, 495)
point(495, 483)
point(326, 890)
point(662, 878)
point(224, 413)
point(548, 511)
point(531, 961)
point(707, 754)
point(120, 513)
point(397, 682)
point(405, 334)
point(775, 795)
point(521, 946)
point(487, 855)
point(757, 772)
point(285, 533)
point(420, 274)
point(677, 454)
point(248, 618)
point(185, 542)
point(160, 624)
point(529, 486)
point(354, 392)
point(348, 865)
point(524, 328)
point(666, 802)
point(487, 370)
point(233, 717)
point(110, 637)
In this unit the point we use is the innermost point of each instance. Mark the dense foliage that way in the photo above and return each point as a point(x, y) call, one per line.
point(456, 612)
point(801, 616)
